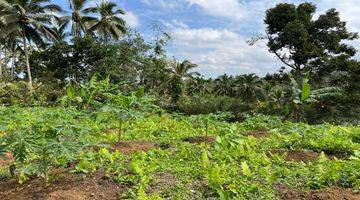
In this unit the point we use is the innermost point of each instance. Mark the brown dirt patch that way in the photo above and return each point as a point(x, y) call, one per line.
point(8, 160)
point(164, 145)
point(163, 180)
point(200, 139)
point(334, 193)
point(257, 133)
point(129, 147)
point(66, 187)
point(301, 155)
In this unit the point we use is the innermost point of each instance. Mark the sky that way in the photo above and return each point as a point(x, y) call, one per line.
point(213, 33)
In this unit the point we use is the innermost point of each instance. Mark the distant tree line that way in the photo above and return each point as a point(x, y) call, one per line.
point(49, 47)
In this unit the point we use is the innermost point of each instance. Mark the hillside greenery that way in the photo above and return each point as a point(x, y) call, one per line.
point(83, 95)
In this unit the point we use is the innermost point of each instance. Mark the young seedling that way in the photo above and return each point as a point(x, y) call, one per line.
point(120, 129)
point(207, 126)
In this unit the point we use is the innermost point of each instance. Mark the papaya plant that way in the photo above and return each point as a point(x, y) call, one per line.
point(124, 108)
point(43, 141)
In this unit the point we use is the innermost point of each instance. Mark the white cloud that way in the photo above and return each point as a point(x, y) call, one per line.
point(223, 8)
point(164, 4)
point(236, 10)
point(221, 51)
point(131, 19)
point(173, 24)
point(241, 15)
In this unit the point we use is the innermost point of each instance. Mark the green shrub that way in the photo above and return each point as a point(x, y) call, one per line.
point(205, 104)
point(13, 93)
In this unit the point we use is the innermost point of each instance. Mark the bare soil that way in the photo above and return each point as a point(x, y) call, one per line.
point(66, 187)
point(334, 193)
point(302, 155)
point(200, 139)
point(257, 133)
point(163, 180)
point(130, 147)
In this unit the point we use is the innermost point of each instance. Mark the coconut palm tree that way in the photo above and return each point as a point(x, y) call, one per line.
point(224, 85)
point(59, 30)
point(79, 18)
point(109, 24)
point(10, 46)
point(2, 49)
point(30, 21)
point(198, 84)
point(2, 45)
point(249, 87)
point(180, 72)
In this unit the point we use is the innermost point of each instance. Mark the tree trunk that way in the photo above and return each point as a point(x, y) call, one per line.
point(298, 77)
point(12, 70)
point(1, 63)
point(5, 62)
point(27, 63)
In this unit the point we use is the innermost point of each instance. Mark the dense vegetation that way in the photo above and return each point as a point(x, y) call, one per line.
point(86, 99)
point(196, 157)
point(95, 40)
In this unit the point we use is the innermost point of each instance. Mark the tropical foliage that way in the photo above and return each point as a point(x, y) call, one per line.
point(90, 109)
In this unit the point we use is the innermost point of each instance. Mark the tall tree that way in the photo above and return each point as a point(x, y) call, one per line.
point(2, 45)
point(30, 20)
point(299, 40)
point(79, 18)
point(59, 30)
point(109, 24)
point(249, 87)
point(198, 84)
point(180, 72)
point(224, 85)
point(183, 69)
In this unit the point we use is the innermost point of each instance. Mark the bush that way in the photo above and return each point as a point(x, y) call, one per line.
point(14, 93)
point(205, 104)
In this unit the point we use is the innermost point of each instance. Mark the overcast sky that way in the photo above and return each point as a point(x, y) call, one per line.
point(213, 33)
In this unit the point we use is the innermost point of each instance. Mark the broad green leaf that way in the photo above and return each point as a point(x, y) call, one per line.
point(140, 92)
point(70, 91)
point(286, 109)
point(205, 158)
point(305, 92)
point(245, 169)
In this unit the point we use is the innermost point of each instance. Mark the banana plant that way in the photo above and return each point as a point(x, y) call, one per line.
point(87, 95)
point(302, 96)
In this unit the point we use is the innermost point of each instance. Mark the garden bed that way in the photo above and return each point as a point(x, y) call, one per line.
point(65, 186)
point(333, 193)
point(303, 155)
point(200, 139)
